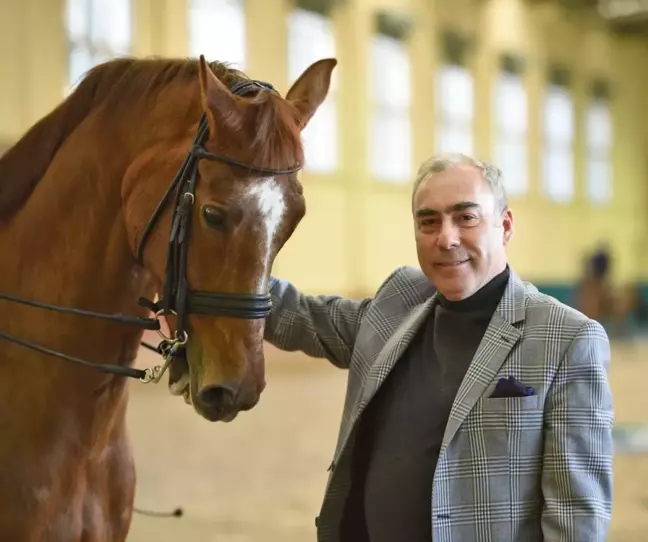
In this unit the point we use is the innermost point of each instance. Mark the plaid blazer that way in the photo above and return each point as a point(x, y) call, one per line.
point(524, 469)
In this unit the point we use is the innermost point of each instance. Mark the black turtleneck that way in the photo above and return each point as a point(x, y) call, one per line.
point(400, 432)
point(487, 297)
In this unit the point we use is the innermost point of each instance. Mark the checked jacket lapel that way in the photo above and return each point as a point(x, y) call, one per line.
point(498, 341)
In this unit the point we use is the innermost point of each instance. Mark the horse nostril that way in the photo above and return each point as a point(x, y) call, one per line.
point(217, 397)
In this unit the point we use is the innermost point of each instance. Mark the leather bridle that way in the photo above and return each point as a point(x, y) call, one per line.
point(177, 298)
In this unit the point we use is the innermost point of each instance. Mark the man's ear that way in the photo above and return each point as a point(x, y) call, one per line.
point(311, 88)
point(507, 225)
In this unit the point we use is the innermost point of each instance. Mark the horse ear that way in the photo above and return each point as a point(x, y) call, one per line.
point(219, 104)
point(311, 88)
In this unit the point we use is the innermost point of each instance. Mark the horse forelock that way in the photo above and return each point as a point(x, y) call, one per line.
point(277, 139)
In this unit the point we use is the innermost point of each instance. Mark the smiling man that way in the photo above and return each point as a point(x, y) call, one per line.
point(477, 408)
point(462, 225)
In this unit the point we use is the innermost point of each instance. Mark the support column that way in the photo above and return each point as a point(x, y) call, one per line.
point(422, 54)
point(146, 27)
point(485, 70)
point(160, 28)
point(354, 27)
point(12, 71)
point(45, 50)
point(535, 76)
point(172, 39)
point(266, 40)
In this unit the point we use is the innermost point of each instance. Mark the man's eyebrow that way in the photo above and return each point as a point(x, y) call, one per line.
point(461, 206)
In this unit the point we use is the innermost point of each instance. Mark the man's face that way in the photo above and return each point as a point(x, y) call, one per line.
point(461, 235)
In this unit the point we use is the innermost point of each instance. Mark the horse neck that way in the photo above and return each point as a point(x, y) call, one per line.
point(69, 246)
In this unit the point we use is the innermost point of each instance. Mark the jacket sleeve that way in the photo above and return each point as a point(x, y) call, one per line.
point(577, 463)
point(320, 326)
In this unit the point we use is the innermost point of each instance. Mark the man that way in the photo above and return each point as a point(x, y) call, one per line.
point(479, 412)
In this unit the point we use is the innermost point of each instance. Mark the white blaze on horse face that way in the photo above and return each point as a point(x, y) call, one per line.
point(271, 205)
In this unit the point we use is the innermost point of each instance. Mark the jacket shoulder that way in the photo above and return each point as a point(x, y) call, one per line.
point(547, 310)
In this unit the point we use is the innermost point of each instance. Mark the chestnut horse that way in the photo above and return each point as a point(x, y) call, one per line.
point(86, 216)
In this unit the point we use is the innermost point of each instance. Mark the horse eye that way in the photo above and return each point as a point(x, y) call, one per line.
point(214, 216)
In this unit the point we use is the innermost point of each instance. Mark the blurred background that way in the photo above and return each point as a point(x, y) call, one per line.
point(552, 91)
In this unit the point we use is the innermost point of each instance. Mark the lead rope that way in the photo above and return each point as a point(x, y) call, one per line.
point(177, 513)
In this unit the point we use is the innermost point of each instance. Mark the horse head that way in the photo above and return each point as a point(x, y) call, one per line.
point(244, 202)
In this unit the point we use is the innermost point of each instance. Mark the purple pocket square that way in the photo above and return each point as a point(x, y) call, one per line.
point(511, 387)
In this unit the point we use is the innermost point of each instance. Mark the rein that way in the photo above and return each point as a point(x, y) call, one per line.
point(177, 299)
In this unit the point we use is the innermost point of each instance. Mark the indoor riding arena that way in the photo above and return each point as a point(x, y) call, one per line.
point(553, 92)
point(262, 477)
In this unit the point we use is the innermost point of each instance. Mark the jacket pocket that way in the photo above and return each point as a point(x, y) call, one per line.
point(500, 404)
point(509, 426)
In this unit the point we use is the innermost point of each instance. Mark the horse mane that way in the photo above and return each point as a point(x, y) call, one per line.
point(120, 84)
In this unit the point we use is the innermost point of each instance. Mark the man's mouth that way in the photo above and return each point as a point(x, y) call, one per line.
point(454, 263)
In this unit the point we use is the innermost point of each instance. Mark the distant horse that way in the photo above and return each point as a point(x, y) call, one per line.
point(155, 177)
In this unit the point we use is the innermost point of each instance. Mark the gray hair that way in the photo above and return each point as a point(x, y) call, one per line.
point(442, 162)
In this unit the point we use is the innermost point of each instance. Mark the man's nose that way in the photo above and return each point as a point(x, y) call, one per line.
point(448, 236)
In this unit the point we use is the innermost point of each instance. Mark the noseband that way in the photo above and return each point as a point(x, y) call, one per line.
point(177, 298)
